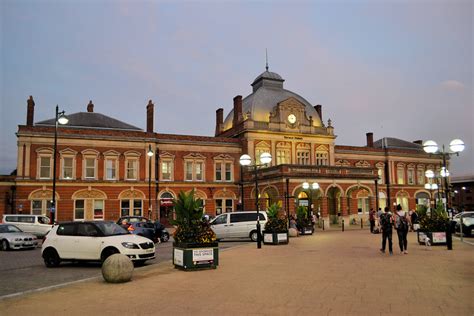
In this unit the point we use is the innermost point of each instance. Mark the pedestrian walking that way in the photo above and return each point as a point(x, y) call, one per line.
point(386, 222)
point(401, 224)
point(372, 220)
point(414, 221)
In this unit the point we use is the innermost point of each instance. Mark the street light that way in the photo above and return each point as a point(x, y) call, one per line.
point(62, 119)
point(314, 186)
point(456, 146)
point(246, 160)
point(150, 154)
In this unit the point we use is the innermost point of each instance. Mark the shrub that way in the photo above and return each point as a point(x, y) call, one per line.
point(302, 219)
point(276, 223)
point(436, 222)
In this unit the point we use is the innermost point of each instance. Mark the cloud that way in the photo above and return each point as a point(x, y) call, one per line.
point(452, 85)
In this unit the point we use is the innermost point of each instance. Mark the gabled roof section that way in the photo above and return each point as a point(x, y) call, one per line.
point(389, 142)
point(92, 120)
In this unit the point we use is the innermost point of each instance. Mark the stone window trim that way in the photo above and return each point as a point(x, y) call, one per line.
point(89, 154)
point(381, 172)
point(67, 153)
point(195, 159)
point(411, 172)
point(111, 155)
point(401, 174)
point(261, 147)
point(166, 157)
point(44, 153)
point(223, 160)
point(130, 156)
point(321, 155)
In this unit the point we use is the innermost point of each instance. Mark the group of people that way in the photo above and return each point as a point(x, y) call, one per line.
point(402, 222)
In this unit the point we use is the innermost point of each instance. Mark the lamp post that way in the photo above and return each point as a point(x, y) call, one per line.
point(431, 186)
point(246, 160)
point(314, 186)
point(150, 154)
point(62, 119)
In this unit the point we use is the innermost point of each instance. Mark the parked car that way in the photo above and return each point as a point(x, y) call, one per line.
point(160, 232)
point(238, 225)
point(93, 241)
point(11, 237)
point(142, 229)
point(467, 223)
point(38, 225)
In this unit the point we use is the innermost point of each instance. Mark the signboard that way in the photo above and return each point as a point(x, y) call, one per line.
point(439, 238)
point(303, 202)
point(178, 257)
point(282, 237)
point(267, 238)
point(203, 255)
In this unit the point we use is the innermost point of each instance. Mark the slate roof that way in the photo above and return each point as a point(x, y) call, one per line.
point(390, 142)
point(92, 120)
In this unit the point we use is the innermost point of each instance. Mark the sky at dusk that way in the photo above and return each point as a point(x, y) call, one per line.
point(400, 69)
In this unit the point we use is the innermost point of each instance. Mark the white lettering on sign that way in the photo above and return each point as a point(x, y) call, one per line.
point(282, 237)
point(205, 254)
point(178, 257)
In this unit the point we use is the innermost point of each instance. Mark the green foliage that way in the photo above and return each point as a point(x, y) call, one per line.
point(302, 219)
point(191, 228)
point(421, 210)
point(436, 222)
point(276, 223)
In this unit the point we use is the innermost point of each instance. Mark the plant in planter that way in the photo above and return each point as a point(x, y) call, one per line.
point(195, 245)
point(434, 226)
point(276, 228)
point(303, 222)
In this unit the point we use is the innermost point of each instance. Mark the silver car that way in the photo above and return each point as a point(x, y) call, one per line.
point(11, 237)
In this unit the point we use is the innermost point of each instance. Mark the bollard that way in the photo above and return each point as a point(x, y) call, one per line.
point(361, 223)
point(323, 224)
point(449, 239)
point(343, 224)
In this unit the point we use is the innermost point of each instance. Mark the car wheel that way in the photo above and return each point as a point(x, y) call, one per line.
point(107, 253)
point(165, 237)
point(51, 258)
point(253, 235)
point(467, 230)
point(4, 246)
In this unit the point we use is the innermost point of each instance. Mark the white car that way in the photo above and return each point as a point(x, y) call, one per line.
point(11, 237)
point(238, 225)
point(467, 223)
point(93, 241)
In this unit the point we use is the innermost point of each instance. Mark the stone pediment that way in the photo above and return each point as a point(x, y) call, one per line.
point(291, 106)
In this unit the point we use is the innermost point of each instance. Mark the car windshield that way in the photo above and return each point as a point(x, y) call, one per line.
point(9, 229)
point(111, 229)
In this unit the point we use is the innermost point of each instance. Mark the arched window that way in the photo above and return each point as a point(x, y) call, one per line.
point(262, 147)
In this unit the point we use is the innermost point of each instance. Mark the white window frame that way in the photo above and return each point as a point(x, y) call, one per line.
point(411, 176)
point(111, 155)
point(170, 164)
point(45, 207)
point(194, 160)
point(131, 208)
point(135, 157)
point(44, 153)
point(222, 161)
point(89, 154)
point(223, 206)
point(260, 148)
point(68, 154)
point(401, 174)
point(83, 210)
point(420, 175)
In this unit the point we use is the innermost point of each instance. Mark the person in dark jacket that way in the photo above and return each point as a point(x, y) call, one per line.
point(372, 220)
point(386, 222)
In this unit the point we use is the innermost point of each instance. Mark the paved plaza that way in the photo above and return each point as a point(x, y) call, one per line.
point(329, 273)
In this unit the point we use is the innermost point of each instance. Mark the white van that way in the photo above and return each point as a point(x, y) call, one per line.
point(38, 225)
point(238, 225)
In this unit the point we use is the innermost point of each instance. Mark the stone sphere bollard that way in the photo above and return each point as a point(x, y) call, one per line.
point(292, 232)
point(117, 268)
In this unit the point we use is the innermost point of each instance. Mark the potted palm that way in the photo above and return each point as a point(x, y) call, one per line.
point(195, 246)
point(276, 228)
point(434, 225)
point(303, 222)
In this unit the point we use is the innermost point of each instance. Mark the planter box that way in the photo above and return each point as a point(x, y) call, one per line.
point(275, 238)
point(193, 256)
point(436, 238)
point(308, 230)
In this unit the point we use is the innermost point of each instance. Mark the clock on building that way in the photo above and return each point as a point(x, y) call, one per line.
point(292, 118)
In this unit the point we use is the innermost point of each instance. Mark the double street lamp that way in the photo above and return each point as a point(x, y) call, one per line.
point(150, 154)
point(246, 160)
point(455, 146)
point(61, 119)
point(313, 187)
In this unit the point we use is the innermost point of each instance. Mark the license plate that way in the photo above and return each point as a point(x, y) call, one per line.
point(28, 243)
point(149, 250)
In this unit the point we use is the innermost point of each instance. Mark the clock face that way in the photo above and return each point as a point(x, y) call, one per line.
point(292, 118)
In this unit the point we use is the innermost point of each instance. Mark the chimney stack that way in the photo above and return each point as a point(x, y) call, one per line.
point(30, 112)
point(370, 139)
point(319, 109)
point(219, 120)
point(419, 142)
point(237, 110)
point(90, 107)
point(149, 117)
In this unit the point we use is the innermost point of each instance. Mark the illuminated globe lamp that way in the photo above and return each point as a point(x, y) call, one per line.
point(430, 146)
point(456, 146)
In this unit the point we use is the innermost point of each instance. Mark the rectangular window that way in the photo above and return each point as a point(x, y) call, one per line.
point(90, 168)
point(111, 169)
point(37, 207)
point(189, 171)
point(45, 167)
point(228, 206)
point(321, 158)
point(381, 176)
point(98, 209)
point(125, 208)
point(218, 207)
point(218, 171)
point(411, 176)
point(166, 170)
point(131, 169)
point(67, 168)
point(199, 171)
point(303, 157)
point(283, 156)
point(79, 209)
point(228, 172)
point(137, 207)
point(400, 176)
point(420, 176)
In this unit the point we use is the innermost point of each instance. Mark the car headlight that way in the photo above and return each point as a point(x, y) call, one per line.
point(130, 245)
